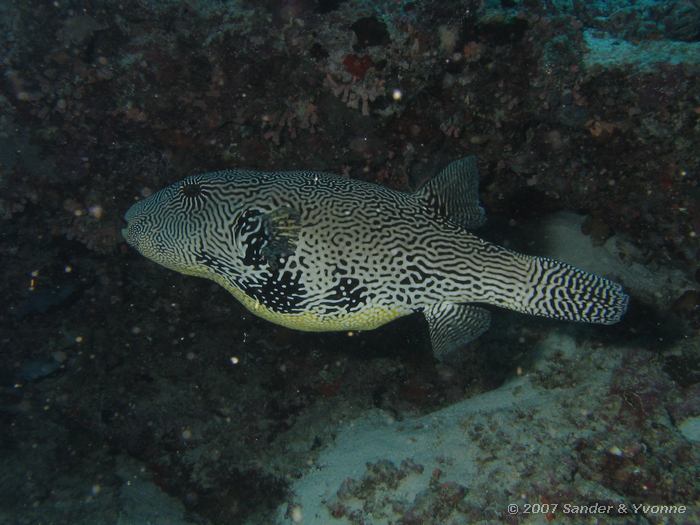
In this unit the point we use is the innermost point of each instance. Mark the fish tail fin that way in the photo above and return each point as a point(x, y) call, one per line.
point(561, 291)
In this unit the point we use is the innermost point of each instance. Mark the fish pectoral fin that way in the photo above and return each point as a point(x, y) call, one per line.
point(454, 325)
point(454, 194)
point(282, 227)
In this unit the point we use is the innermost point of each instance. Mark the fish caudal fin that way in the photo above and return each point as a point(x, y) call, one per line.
point(561, 291)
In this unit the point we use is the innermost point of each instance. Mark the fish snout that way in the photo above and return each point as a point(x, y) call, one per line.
point(130, 224)
point(128, 232)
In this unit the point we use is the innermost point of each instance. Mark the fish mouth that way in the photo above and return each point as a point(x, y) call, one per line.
point(125, 234)
point(128, 220)
point(125, 226)
point(127, 230)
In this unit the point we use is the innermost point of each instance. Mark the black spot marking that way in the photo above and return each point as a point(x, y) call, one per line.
point(254, 238)
point(280, 291)
point(252, 229)
point(346, 295)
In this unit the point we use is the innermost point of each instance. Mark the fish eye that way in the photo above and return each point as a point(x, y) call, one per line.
point(191, 190)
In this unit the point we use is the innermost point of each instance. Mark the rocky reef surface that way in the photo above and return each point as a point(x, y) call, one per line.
point(118, 374)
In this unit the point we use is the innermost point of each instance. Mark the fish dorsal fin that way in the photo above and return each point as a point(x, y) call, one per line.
point(454, 325)
point(454, 194)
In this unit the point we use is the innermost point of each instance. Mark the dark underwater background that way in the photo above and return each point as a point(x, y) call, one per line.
point(130, 394)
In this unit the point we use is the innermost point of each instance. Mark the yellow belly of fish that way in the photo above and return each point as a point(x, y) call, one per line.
point(366, 319)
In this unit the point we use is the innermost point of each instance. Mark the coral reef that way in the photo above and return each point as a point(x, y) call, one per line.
point(529, 448)
point(203, 94)
point(585, 106)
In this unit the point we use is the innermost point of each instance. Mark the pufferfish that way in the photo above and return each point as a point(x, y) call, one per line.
point(319, 252)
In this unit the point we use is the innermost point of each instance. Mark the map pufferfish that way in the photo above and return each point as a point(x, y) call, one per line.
point(319, 252)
